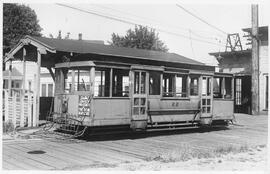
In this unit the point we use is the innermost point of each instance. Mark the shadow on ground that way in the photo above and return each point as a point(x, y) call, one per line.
point(90, 135)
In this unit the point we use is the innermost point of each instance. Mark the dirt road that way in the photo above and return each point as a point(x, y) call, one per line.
point(185, 150)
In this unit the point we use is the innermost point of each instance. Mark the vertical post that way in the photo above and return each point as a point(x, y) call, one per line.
point(188, 86)
point(32, 120)
point(9, 77)
point(223, 88)
point(36, 117)
point(255, 60)
point(23, 91)
point(73, 75)
point(14, 116)
point(29, 104)
point(92, 91)
point(6, 93)
point(232, 86)
point(161, 85)
point(111, 81)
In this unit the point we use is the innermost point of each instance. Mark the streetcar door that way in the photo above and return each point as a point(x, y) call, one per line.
point(207, 99)
point(139, 100)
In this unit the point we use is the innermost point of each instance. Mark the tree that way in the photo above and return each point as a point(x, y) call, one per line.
point(141, 37)
point(18, 20)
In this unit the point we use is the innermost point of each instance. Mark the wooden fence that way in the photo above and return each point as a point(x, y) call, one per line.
point(18, 107)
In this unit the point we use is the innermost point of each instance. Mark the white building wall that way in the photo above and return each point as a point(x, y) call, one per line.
point(31, 68)
point(264, 68)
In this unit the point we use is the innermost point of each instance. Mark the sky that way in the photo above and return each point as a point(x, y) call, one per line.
point(181, 32)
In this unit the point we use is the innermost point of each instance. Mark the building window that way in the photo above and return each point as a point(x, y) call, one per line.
point(50, 90)
point(174, 85)
point(120, 83)
point(102, 83)
point(82, 80)
point(238, 91)
point(154, 83)
point(194, 86)
point(43, 90)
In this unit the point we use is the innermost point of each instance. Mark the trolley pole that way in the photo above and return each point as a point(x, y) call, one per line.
point(255, 60)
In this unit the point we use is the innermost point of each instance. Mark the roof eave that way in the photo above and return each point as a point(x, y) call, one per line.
point(26, 41)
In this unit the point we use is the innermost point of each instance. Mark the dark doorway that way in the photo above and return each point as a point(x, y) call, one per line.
point(46, 106)
point(242, 93)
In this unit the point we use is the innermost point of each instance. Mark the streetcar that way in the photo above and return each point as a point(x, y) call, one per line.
point(141, 94)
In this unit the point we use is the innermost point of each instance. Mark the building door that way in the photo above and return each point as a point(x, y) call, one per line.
point(242, 93)
point(207, 99)
point(139, 100)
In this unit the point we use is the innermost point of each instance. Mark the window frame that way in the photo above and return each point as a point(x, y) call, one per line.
point(190, 77)
point(223, 87)
point(175, 74)
point(111, 83)
point(159, 93)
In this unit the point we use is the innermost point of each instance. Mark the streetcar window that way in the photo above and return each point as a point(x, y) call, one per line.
point(82, 80)
point(58, 82)
point(67, 80)
point(223, 87)
point(181, 86)
point(174, 85)
point(154, 83)
point(217, 85)
point(228, 87)
point(120, 83)
point(102, 83)
point(194, 86)
point(168, 85)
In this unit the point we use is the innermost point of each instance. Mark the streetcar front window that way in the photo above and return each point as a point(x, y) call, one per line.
point(82, 80)
point(223, 87)
point(67, 80)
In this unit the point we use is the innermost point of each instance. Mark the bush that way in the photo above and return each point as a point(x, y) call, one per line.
point(8, 127)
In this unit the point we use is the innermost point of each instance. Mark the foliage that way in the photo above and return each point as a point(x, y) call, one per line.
point(141, 37)
point(8, 127)
point(18, 20)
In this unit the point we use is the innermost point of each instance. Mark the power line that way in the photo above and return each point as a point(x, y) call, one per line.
point(191, 45)
point(133, 23)
point(200, 19)
point(156, 22)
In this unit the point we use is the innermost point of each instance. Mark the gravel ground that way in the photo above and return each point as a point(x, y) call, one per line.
point(252, 160)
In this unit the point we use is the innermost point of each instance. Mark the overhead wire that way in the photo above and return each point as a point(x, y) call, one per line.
point(133, 23)
point(159, 23)
point(202, 20)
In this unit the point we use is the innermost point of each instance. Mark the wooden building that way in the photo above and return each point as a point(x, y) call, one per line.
point(239, 63)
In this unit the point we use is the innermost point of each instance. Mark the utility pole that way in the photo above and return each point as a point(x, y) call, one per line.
point(255, 60)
